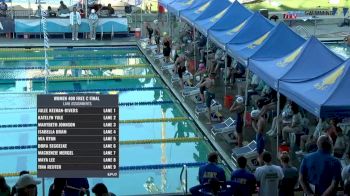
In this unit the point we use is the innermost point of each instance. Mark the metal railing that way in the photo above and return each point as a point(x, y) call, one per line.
point(300, 30)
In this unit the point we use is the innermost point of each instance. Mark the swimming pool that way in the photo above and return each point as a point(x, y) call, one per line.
point(340, 48)
point(142, 95)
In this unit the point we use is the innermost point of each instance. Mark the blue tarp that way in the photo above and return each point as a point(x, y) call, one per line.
point(165, 3)
point(221, 38)
point(207, 10)
point(308, 61)
point(242, 51)
point(326, 96)
point(234, 16)
point(177, 6)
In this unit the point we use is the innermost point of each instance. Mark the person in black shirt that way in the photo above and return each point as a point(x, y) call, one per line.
point(149, 32)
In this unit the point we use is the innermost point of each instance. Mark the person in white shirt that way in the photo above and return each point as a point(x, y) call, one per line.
point(268, 176)
point(75, 21)
point(93, 21)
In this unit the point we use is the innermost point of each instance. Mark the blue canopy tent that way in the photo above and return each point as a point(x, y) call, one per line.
point(235, 15)
point(203, 24)
point(177, 6)
point(249, 37)
point(325, 96)
point(221, 38)
point(308, 61)
point(207, 10)
point(165, 3)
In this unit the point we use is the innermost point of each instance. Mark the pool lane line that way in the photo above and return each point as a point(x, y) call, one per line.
point(81, 78)
point(109, 89)
point(150, 120)
point(142, 103)
point(76, 67)
point(68, 49)
point(132, 168)
point(127, 142)
point(67, 58)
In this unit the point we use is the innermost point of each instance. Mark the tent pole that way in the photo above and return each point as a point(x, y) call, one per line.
point(278, 117)
point(194, 47)
point(320, 122)
point(246, 94)
point(168, 20)
point(141, 18)
point(207, 51)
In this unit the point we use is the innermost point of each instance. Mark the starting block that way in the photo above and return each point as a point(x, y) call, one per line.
point(202, 107)
point(186, 76)
point(249, 152)
point(228, 126)
point(167, 67)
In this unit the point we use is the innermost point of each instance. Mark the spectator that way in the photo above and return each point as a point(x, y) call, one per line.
point(26, 185)
point(259, 125)
point(244, 178)
point(75, 21)
point(268, 176)
point(38, 12)
point(3, 9)
point(157, 35)
point(332, 130)
point(50, 12)
point(149, 32)
point(296, 124)
point(238, 108)
point(290, 178)
point(201, 71)
point(63, 9)
point(14, 190)
point(57, 187)
point(93, 21)
point(340, 144)
point(5, 190)
point(76, 186)
point(110, 9)
point(211, 170)
point(180, 68)
point(345, 174)
point(101, 190)
point(320, 172)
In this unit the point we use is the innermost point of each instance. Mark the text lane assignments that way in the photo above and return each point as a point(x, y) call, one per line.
point(78, 136)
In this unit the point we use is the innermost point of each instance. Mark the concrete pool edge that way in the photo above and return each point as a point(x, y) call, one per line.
point(227, 160)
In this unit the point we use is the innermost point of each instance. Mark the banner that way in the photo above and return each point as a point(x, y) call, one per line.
point(7, 25)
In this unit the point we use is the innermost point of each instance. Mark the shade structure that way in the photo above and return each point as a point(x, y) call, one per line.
point(177, 6)
point(233, 17)
point(221, 38)
point(207, 10)
point(307, 61)
point(325, 96)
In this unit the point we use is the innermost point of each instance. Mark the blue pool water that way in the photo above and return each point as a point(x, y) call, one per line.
point(18, 102)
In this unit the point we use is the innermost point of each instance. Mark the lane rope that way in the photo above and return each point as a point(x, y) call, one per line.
point(68, 58)
point(131, 168)
point(76, 67)
point(109, 89)
point(81, 78)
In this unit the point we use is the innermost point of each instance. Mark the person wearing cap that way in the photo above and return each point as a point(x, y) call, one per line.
point(268, 176)
point(211, 170)
point(238, 108)
point(200, 72)
point(100, 189)
point(93, 21)
point(26, 185)
point(259, 124)
point(245, 179)
point(14, 189)
point(320, 172)
point(75, 21)
point(290, 178)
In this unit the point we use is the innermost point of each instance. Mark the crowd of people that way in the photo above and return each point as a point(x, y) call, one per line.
point(320, 173)
point(297, 131)
point(27, 185)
